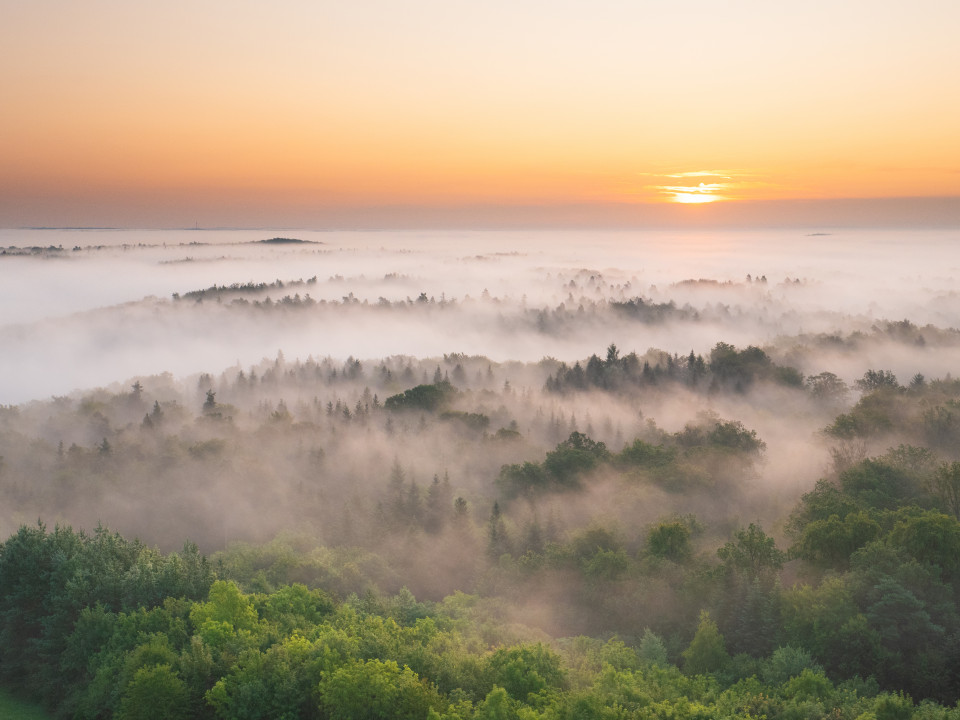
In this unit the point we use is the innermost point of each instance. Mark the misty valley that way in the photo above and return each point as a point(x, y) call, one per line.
point(480, 475)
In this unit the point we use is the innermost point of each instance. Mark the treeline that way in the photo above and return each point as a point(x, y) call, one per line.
point(875, 551)
point(874, 546)
point(96, 632)
point(924, 412)
point(98, 626)
point(54, 585)
point(724, 602)
point(218, 292)
point(726, 368)
point(571, 306)
point(702, 452)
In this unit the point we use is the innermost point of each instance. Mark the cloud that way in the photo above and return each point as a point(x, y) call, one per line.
point(698, 186)
point(701, 173)
point(704, 192)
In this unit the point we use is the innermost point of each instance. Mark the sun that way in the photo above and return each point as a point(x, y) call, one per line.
point(696, 194)
point(696, 188)
point(694, 197)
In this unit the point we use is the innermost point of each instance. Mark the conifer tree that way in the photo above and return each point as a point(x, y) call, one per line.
point(707, 652)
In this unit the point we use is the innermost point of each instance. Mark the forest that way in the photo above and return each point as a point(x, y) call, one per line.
point(758, 516)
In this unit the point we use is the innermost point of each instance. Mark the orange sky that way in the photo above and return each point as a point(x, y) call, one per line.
point(230, 113)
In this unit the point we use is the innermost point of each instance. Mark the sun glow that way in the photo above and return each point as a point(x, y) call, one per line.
point(702, 193)
point(694, 197)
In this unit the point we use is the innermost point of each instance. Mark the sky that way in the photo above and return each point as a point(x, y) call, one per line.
point(441, 112)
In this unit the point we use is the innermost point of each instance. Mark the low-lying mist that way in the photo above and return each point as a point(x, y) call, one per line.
point(102, 308)
point(435, 399)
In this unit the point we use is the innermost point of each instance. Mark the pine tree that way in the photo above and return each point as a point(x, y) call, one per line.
point(414, 509)
point(498, 543)
point(396, 502)
point(707, 652)
point(438, 504)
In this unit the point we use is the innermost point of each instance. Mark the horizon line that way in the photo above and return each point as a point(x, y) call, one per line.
point(869, 212)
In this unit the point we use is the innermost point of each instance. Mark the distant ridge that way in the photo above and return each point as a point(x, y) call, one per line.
point(287, 241)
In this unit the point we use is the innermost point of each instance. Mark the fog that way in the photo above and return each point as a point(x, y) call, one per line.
point(112, 344)
point(101, 310)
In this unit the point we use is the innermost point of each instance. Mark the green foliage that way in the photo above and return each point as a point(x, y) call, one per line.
point(155, 693)
point(874, 414)
point(751, 552)
point(808, 685)
point(498, 541)
point(592, 539)
point(739, 369)
point(748, 612)
point(877, 484)
point(824, 501)
point(507, 434)
point(376, 690)
point(88, 622)
point(523, 480)
point(788, 662)
point(607, 564)
point(945, 484)
point(735, 437)
point(917, 462)
point(475, 422)
point(889, 609)
point(422, 397)
point(899, 615)
point(47, 581)
point(617, 654)
point(941, 425)
point(883, 607)
point(290, 559)
point(294, 607)
point(696, 456)
point(280, 682)
point(13, 709)
point(893, 706)
point(226, 605)
point(827, 621)
point(713, 434)
point(574, 456)
point(497, 705)
point(874, 380)
point(645, 455)
point(526, 670)
point(707, 652)
point(561, 469)
point(827, 389)
point(296, 653)
point(831, 542)
point(651, 649)
point(670, 540)
point(932, 538)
